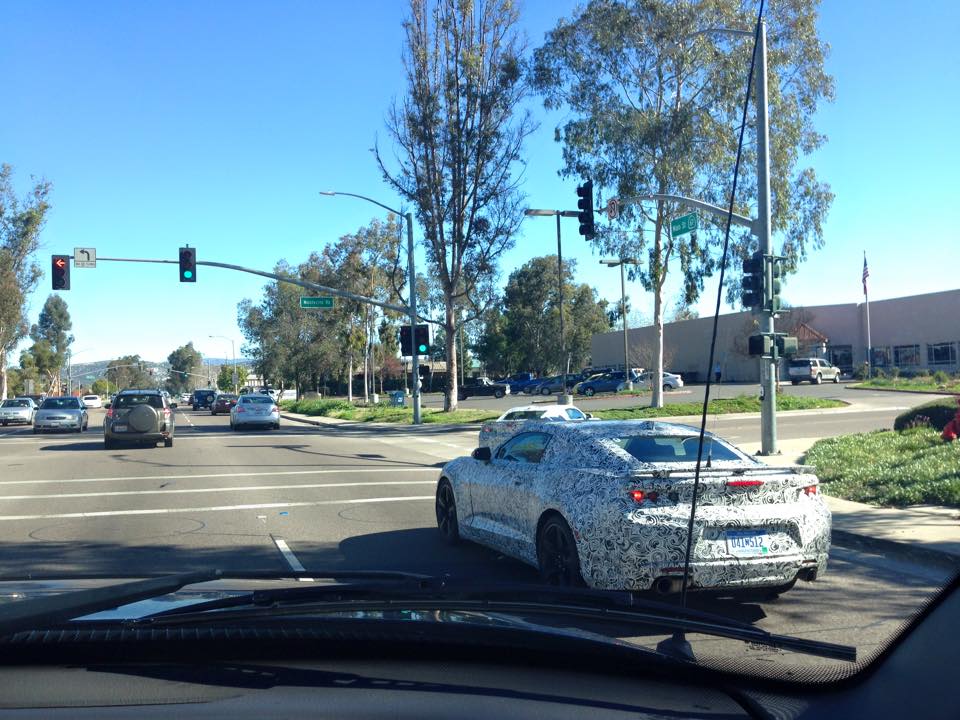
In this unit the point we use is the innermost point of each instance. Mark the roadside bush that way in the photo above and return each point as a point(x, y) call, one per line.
point(937, 413)
point(941, 378)
point(860, 372)
point(894, 372)
point(914, 372)
point(322, 408)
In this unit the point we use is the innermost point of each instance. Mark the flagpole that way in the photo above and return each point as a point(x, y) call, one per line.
point(866, 298)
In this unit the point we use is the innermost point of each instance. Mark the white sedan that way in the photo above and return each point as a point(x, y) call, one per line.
point(671, 381)
point(92, 401)
point(253, 409)
point(608, 504)
point(493, 432)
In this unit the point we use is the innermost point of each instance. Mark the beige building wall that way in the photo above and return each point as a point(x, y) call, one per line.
point(903, 328)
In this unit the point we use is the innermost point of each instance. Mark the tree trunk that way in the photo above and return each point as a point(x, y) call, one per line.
point(350, 379)
point(450, 327)
point(3, 374)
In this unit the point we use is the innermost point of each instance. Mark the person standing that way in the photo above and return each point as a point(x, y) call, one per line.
point(716, 372)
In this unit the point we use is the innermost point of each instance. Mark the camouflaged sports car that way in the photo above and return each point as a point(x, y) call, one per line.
point(608, 503)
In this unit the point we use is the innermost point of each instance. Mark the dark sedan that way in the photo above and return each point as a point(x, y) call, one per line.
point(222, 403)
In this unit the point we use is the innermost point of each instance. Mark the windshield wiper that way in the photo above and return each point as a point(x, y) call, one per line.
point(456, 594)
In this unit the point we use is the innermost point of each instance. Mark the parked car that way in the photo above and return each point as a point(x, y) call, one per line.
point(17, 411)
point(493, 432)
point(518, 382)
point(482, 387)
point(545, 386)
point(223, 403)
point(605, 382)
point(814, 370)
point(202, 399)
point(142, 416)
point(255, 409)
point(608, 503)
point(61, 413)
point(671, 381)
point(92, 401)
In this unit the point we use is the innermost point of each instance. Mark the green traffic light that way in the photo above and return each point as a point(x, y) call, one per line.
point(187, 274)
point(422, 348)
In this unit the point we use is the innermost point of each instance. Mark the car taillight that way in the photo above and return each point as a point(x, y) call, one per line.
point(240, 409)
point(109, 412)
point(166, 413)
point(744, 483)
point(274, 409)
point(810, 490)
point(640, 495)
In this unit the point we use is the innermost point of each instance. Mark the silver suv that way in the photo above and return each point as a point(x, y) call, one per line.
point(815, 370)
point(138, 416)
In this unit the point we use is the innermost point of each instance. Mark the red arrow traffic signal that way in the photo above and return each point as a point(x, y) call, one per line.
point(60, 272)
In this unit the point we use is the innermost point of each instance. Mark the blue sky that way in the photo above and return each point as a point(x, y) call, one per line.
point(216, 124)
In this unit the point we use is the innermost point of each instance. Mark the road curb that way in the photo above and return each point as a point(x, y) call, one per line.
point(944, 393)
point(856, 541)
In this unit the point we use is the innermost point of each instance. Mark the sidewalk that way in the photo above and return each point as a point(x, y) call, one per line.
point(930, 533)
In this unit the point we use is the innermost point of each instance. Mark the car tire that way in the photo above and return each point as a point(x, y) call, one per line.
point(557, 557)
point(794, 382)
point(667, 388)
point(545, 391)
point(445, 507)
point(498, 394)
point(212, 412)
point(818, 379)
point(836, 378)
point(4, 423)
point(108, 444)
point(276, 426)
point(589, 392)
point(36, 431)
point(168, 442)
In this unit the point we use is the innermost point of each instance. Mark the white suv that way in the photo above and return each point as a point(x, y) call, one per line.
point(816, 370)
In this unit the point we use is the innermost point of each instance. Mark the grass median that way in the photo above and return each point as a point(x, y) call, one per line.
point(886, 467)
point(343, 410)
point(936, 383)
point(720, 406)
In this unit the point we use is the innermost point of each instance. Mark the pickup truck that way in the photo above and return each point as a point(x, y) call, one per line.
point(482, 387)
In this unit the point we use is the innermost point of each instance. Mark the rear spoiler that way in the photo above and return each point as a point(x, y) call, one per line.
point(761, 470)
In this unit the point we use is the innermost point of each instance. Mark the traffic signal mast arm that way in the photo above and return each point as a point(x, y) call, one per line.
point(696, 205)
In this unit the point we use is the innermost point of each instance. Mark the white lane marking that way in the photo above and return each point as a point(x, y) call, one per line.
point(215, 508)
point(288, 555)
point(342, 471)
point(236, 488)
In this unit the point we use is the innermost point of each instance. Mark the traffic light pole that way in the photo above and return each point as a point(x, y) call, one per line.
point(768, 408)
point(415, 363)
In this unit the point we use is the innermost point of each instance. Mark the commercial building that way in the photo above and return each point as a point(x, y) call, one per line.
point(911, 333)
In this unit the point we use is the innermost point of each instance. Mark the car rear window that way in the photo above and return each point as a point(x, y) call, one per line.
point(524, 415)
point(15, 403)
point(257, 400)
point(672, 448)
point(90, 397)
point(800, 363)
point(60, 404)
point(154, 401)
point(226, 397)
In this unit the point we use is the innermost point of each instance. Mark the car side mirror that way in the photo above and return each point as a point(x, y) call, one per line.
point(482, 454)
point(173, 405)
point(589, 416)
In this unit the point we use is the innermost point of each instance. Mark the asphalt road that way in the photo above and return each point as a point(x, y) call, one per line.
point(331, 497)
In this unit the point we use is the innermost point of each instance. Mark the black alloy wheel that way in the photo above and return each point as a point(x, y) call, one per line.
point(498, 394)
point(557, 554)
point(446, 508)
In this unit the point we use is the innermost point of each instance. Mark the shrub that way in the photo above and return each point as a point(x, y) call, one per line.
point(937, 413)
point(894, 372)
point(941, 378)
point(860, 372)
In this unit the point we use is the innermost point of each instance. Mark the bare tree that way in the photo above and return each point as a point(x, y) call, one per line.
point(457, 135)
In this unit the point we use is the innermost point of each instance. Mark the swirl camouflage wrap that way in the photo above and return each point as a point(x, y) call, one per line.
point(624, 488)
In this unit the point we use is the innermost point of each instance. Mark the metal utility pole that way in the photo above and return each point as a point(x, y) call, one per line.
point(613, 262)
point(565, 397)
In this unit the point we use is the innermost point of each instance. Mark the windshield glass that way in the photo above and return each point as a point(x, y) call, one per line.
point(653, 449)
point(15, 403)
point(60, 403)
point(232, 201)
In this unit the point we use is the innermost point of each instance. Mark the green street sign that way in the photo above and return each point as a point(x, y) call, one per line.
point(323, 303)
point(683, 224)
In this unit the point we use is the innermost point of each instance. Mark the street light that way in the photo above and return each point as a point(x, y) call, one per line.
point(233, 354)
point(613, 262)
point(566, 398)
point(412, 305)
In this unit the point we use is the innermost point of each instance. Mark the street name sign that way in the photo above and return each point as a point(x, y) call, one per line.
point(683, 224)
point(322, 303)
point(84, 257)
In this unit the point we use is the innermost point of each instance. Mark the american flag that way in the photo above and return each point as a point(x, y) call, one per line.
point(866, 274)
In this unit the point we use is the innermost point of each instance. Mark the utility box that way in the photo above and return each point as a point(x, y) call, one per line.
point(398, 399)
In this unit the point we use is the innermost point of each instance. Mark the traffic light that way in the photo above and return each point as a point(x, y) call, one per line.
point(585, 205)
point(188, 264)
point(760, 345)
point(60, 271)
point(776, 271)
point(787, 346)
point(421, 340)
point(752, 282)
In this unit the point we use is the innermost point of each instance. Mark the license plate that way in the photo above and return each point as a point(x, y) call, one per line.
point(747, 543)
point(119, 428)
